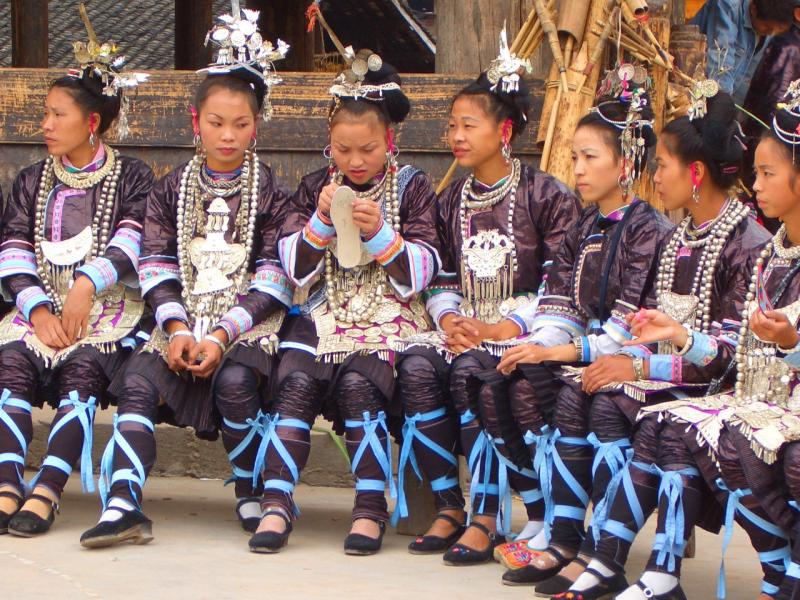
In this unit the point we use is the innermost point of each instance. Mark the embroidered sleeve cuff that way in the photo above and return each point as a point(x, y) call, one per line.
point(271, 279)
point(15, 261)
point(422, 264)
point(102, 273)
point(128, 240)
point(442, 302)
point(602, 345)
point(155, 270)
point(665, 367)
point(520, 322)
point(30, 298)
point(385, 244)
point(550, 336)
point(317, 233)
point(171, 311)
point(617, 328)
point(704, 349)
point(235, 322)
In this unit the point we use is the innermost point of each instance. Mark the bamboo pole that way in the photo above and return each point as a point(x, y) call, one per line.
point(597, 51)
point(549, 28)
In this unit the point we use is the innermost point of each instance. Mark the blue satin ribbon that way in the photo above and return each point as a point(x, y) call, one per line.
point(6, 399)
point(407, 455)
point(84, 412)
point(108, 477)
point(671, 542)
point(616, 455)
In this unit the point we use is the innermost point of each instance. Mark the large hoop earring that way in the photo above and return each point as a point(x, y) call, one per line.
point(327, 152)
point(253, 144)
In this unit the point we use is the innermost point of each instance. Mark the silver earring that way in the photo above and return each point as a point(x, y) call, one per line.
point(506, 151)
point(92, 139)
point(695, 193)
point(253, 143)
point(198, 143)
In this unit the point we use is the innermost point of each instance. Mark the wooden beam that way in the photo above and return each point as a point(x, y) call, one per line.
point(192, 22)
point(29, 33)
point(159, 115)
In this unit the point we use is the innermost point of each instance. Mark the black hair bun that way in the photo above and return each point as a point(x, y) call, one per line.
point(519, 101)
point(395, 102)
point(719, 131)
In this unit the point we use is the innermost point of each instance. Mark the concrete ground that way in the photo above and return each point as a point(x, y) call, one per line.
point(200, 552)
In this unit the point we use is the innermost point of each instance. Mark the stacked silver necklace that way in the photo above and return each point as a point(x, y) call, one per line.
point(219, 188)
point(101, 223)
point(712, 239)
point(355, 294)
point(190, 202)
point(474, 201)
point(759, 374)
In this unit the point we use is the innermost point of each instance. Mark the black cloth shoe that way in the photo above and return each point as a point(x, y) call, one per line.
point(5, 517)
point(557, 583)
point(249, 524)
point(461, 556)
point(357, 544)
point(132, 526)
point(607, 587)
point(270, 542)
point(675, 593)
point(529, 574)
point(28, 524)
point(433, 544)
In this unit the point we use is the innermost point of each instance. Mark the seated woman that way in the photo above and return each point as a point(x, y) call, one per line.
point(337, 357)
point(760, 413)
point(604, 271)
point(71, 236)
point(702, 282)
point(211, 275)
point(501, 225)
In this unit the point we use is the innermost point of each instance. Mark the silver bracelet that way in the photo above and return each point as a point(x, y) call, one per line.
point(638, 368)
point(214, 339)
point(689, 341)
point(179, 333)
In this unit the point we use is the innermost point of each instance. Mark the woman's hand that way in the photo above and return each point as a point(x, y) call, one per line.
point(325, 197)
point(458, 338)
point(773, 326)
point(48, 328)
point(180, 346)
point(78, 305)
point(524, 353)
point(607, 370)
point(366, 215)
point(649, 326)
point(211, 354)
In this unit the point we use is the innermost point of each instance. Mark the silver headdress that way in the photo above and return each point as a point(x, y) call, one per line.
point(701, 92)
point(102, 62)
point(628, 84)
point(505, 69)
point(791, 106)
point(350, 82)
point(240, 47)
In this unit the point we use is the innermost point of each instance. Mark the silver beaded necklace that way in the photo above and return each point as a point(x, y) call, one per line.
point(712, 243)
point(472, 201)
point(354, 294)
point(190, 202)
point(48, 273)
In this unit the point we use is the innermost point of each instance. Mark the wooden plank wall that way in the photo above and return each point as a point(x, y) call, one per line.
point(292, 142)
